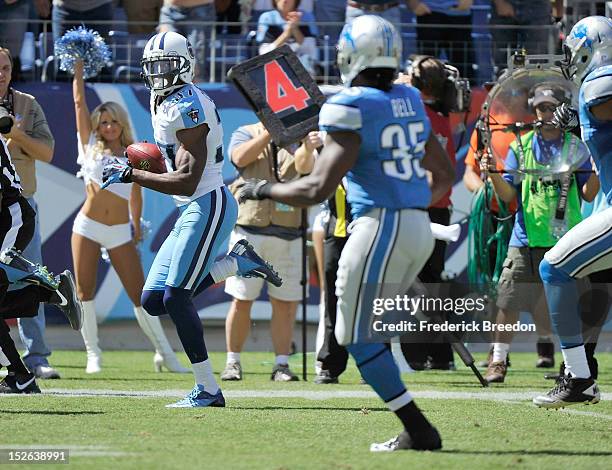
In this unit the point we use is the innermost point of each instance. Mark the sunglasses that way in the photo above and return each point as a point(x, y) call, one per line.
point(543, 108)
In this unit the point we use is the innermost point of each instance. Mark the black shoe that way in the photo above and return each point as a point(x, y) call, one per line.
point(324, 377)
point(66, 299)
point(569, 391)
point(22, 383)
point(427, 440)
point(546, 354)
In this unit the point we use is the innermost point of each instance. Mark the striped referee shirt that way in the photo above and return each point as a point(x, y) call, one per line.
point(9, 180)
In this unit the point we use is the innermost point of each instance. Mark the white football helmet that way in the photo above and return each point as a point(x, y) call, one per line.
point(168, 63)
point(587, 47)
point(369, 42)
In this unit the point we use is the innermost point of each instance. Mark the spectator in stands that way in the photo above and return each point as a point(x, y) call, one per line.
point(68, 14)
point(507, 14)
point(430, 76)
point(330, 11)
point(13, 25)
point(274, 231)
point(286, 24)
point(29, 140)
point(104, 222)
point(141, 12)
point(228, 11)
point(520, 286)
point(189, 18)
point(455, 40)
point(388, 9)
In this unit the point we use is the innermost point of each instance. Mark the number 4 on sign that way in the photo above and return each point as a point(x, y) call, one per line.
point(281, 93)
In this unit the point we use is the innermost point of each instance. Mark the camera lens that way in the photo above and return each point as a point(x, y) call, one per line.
point(6, 122)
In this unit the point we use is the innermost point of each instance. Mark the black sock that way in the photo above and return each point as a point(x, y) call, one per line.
point(412, 418)
point(10, 351)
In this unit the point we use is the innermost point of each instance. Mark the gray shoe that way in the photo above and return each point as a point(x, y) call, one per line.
point(232, 371)
point(45, 372)
point(282, 373)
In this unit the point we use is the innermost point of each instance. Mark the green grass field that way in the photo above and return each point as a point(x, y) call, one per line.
point(285, 426)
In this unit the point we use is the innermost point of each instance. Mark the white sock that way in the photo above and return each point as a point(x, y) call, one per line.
point(500, 352)
point(282, 359)
point(233, 358)
point(576, 363)
point(224, 268)
point(204, 376)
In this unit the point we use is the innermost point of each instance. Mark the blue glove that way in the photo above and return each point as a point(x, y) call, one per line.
point(116, 172)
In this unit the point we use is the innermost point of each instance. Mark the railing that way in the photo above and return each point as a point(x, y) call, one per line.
point(479, 58)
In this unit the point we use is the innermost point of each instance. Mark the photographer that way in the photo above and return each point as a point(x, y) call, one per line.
point(29, 139)
point(274, 231)
point(535, 228)
point(438, 85)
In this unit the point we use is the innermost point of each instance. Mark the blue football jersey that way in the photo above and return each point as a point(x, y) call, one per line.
point(596, 89)
point(394, 128)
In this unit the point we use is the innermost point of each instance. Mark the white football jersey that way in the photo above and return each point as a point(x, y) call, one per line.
point(186, 108)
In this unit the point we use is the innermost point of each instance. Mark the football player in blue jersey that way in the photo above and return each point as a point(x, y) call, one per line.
point(187, 129)
point(587, 247)
point(378, 135)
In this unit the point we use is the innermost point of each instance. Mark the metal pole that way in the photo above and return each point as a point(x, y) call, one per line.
point(304, 226)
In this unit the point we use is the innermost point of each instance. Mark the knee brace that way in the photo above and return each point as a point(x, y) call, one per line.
point(153, 302)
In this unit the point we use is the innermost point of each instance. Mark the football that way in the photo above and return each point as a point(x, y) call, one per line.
point(146, 156)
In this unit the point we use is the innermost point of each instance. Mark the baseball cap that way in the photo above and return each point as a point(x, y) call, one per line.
point(543, 93)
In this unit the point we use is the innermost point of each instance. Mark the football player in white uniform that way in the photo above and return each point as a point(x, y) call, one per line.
point(188, 132)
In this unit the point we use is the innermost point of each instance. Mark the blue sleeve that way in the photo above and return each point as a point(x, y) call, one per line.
point(341, 112)
point(511, 163)
point(263, 25)
point(239, 136)
point(582, 177)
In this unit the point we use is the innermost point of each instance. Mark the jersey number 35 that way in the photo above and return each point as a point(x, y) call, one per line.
point(404, 145)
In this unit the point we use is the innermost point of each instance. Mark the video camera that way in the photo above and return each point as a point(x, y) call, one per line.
point(6, 118)
point(454, 94)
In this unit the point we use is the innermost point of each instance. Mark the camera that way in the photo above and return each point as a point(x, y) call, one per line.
point(457, 91)
point(6, 118)
point(451, 92)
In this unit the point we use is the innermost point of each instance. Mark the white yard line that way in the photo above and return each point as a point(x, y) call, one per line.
point(519, 398)
point(488, 395)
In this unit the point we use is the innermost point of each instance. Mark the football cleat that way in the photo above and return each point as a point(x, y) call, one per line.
point(18, 384)
point(250, 263)
point(66, 299)
point(569, 391)
point(199, 398)
point(33, 273)
point(428, 440)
